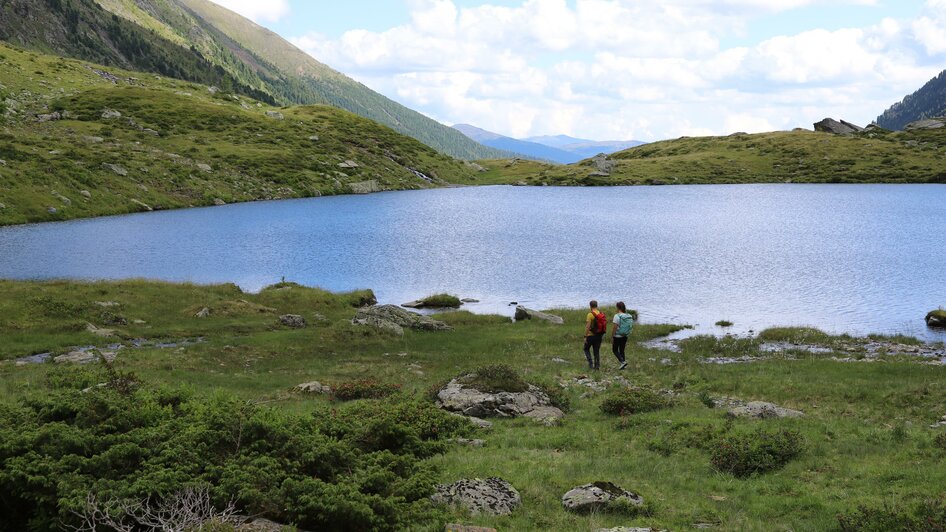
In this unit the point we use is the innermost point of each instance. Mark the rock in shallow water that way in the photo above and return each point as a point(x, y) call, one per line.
point(523, 313)
point(493, 496)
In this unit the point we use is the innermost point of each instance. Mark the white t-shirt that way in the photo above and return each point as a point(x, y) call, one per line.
point(617, 322)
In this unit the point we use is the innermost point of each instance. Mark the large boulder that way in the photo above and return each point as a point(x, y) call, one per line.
point(830, 125)
point(394, 319)
point(603, 165)
point(460, 398)
point(936, 318)
point(761, 410)
point(523, 313)
point(929, 123)
point(493, 496)
point(598, 496)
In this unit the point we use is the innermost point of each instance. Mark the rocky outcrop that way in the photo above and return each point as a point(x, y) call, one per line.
point(365, 187)
point(110, 114)
point(493, 496)
point(275, 115)
point(85, 356)
point(603, 165)
point(762, 410)
point(102, 333)
point(118, 169)
point(830, 125)
point(598, 496)
point(462, 399)
point(293, 321)
point(394, 319)
point(314, 387)
point(523, 313)
point(929, 123)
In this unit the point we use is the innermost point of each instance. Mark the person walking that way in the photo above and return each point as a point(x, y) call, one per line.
point(596, 324)
point(623, 322)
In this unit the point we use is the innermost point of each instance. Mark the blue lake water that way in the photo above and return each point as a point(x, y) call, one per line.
point(846, 258)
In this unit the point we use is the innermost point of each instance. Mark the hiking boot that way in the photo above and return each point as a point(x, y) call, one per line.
point(622, 366)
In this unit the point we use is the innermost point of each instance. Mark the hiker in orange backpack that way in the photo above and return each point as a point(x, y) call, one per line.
point(596, 324)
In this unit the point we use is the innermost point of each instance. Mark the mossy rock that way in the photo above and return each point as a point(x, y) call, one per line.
point(936, 318)
point(436, 301)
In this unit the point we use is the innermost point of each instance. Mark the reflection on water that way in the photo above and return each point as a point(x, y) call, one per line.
point(845, 258)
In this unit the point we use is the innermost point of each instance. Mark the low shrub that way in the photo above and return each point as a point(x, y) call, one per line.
point(928, 516)
point(495, 378)
point(357, 466)
point(558, 395)
point(681, 436)
point(628, 401)
point(364, 389)
point(758, 451)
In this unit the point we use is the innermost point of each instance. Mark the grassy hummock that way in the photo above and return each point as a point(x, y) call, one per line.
point(216, 395)
point(440, 301)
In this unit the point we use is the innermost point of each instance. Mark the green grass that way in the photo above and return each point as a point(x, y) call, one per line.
point(724, 323)
point(777, 157)
point(865, 434)
point(441, 301)
point(179, 145)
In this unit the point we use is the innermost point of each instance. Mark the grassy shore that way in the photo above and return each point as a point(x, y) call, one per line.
point(865, 435)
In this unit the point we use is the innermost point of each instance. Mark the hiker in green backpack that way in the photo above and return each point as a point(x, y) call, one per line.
point(623, 322)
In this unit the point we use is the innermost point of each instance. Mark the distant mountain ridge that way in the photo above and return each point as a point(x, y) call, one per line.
point(928, 102)
point(559, 148)
point(198, 40)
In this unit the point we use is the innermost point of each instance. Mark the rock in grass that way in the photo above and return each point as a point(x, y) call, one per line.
point(84, 357)
point(293, 321)
point(203, 313)
point(936, 318)
point(315, 387)
point(599, 496)
point(275, 115)
point(466, 528)
point(762, 410)
point(523, 313)
point(466, 400)
point(103, 333)
point(493, 496)
point(394, 319)
point(469, 442)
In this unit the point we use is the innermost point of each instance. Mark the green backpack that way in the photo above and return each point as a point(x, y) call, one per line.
point(625, 325)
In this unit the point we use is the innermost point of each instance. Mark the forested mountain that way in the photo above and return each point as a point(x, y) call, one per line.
point(928, 102)
point(197, 40)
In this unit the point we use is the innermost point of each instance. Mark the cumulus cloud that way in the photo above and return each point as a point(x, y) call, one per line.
point(256, 10)
point(645, 69)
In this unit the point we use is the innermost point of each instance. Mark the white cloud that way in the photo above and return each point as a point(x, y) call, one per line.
point(644, 69)
point(256, 10)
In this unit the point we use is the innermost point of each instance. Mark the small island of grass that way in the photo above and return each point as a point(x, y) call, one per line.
point(436, 301)
point(936, 318)
point(724, 323)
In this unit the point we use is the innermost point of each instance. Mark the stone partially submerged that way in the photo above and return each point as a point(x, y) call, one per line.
point(493, 496)
point(523, 313)
point(936, 319)
point(599, 496)
point(394, 319)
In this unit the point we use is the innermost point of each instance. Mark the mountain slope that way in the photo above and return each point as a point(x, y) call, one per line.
point(928, 102)
point(528, 149)
point(584, 148)
point(264, 61)
point(873, 156)
point(79, 141)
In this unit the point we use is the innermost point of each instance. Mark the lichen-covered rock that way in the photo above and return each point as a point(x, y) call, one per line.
point(85, 356)
point(394, 319)
point(762, 410)
point(936, 318)
point(493, 496)
point(293, 321)
point(314, 387)
point(457, 397)
point(523, 313)
point(598, 496)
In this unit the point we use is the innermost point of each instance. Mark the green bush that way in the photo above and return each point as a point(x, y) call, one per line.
point(928, 516)
point(628, 401)
point(364, 389)
point(359, 466)
point(758, 451)
point(679, 436)
point(495, 378)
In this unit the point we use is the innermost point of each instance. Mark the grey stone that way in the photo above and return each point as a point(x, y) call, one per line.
point(276, 115)
point(293, 321)
point(549, 415)
point(603, 165)
point(142, 204)
point(85, 194)
point(523, 313)
point(51, 117)
point(935, 320)
point(762, 410)
point(493, 496)
point(203, 313)
point(84, 357)
point(457, 397)
point(598, 496)
point(314, 138)
point(203, 167)
point(830, 125)
point(118, 169)
point(929, 123)
point(103, 333)
point(110, 114)
point(2, 206)
point(469, 300)
point(219, 202)
point(365, 187)
point(348, 164)
point(393, 319)
point(315, 387)
point(469, 443)
point(63, 199)
point(52, 210)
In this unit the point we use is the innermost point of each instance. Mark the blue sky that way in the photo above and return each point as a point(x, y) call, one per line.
point(623, 69)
